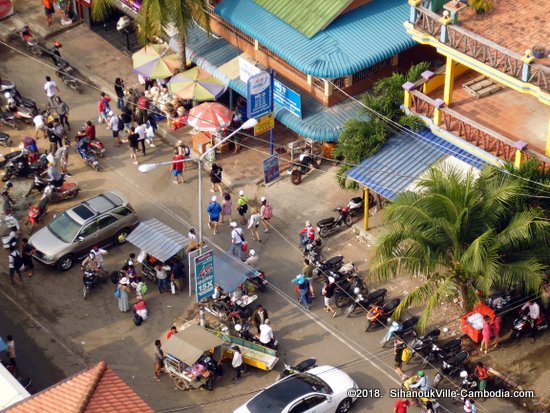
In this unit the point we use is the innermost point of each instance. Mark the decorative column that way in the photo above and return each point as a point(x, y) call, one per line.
point(449, 81)
point(366, 206)
point(438, 104)
point(426, 75)
point(520, 156)
point(445, 21)
point(408, 87)
point(328, 88)
point(527, 59)
point(413, 13)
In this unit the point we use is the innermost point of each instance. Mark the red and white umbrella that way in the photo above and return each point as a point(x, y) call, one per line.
point(210, 117)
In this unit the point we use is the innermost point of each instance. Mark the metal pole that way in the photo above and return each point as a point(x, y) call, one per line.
point(271, 142)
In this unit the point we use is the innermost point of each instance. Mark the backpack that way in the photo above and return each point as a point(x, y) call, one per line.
point(137, 320)
point(120, 124)
point(186, 150)
point(406, 355)
point(268, 210)
point(17, 261)
point(117, 293)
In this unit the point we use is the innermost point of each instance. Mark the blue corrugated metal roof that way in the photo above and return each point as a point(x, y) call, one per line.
point(352, 42)
point(318, 122)
point(402, 159)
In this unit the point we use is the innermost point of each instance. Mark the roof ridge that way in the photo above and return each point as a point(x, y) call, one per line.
point(97, 375)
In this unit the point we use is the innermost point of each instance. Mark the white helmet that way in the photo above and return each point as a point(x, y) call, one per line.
point(7, 95)
point(463, 374)
point(356, 290)
point(238, 327)
point(241, 192)
point(252, 253)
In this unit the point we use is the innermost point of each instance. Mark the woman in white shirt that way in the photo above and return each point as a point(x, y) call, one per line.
point(254, 223)
point(237, 362)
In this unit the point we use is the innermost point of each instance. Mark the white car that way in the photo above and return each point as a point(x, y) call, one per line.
point(323, 389)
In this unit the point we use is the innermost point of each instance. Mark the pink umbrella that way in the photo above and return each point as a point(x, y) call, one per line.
point(210, 117)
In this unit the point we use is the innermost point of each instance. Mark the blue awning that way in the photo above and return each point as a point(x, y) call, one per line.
point(403, 159)
point(318, 122)
point(157, 239)
point(354, 41)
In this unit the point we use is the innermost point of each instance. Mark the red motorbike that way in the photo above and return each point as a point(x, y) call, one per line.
point(37, 213)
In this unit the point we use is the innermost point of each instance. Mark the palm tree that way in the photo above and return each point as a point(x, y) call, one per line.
point(156, 17)
point(457, 234)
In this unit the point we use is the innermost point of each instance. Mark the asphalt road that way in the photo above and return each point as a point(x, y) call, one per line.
point(73, 333)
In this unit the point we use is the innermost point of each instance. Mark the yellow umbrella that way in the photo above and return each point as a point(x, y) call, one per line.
point(196, 84)
point(156, 61)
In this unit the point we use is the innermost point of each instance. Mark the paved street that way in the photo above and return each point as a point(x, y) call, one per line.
point(73, 333)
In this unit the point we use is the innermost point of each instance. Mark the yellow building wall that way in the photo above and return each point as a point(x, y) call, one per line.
point(438, 80)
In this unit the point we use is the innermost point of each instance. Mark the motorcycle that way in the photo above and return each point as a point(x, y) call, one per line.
point(421, 401)
point(324, 267)
point(423, 344)
point(346, 287)
point(26, 35)
point(20, 167)
point(469, 383)
point(312, 250)
point(6, 158)
point(379, 314)
point(7, 119)
point(90, 280)
point(328, 226)
point(20, 101)
point(257, 278)
point(88, 156)
point(451, 366)
point(364, 302)
point(401, 329)
point(306, 162)
point(37, 213)
point(446, 350)
point(522, 325)
point(94, 145)
point(20, 112)
point(301, 367)
point(67, 190)
point(226, 310)
point(63, 71)
point(5, 139)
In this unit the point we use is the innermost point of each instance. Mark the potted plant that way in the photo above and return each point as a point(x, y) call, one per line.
point(481, 6)
point(538, 51)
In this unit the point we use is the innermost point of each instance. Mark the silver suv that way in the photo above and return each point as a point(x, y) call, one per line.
point(103, 220)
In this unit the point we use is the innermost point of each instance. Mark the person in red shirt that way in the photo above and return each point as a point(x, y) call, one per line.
point(400, 406)
point(103, 109)
point(173, 330)
point(177, 167)
point(307, 234)
point(90, 130)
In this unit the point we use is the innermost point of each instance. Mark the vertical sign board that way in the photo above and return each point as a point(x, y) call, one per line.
point(287, 98)
point(271, 168)
point(265, 124)
point(259, 95)
point(204, 275)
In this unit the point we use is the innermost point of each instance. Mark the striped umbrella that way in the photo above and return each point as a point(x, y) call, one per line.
point(196, 84)
point(155, 61)
point(210, 117)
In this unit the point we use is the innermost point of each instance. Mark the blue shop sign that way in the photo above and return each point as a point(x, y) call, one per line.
point(287, 98)
point(260, 95)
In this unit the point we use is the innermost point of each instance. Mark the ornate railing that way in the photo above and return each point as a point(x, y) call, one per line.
point(481, 49)
point(472, 131)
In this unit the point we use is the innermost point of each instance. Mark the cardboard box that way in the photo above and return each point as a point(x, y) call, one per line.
point(200, 140)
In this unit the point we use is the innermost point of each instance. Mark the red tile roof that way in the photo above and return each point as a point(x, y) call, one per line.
point(95, 390)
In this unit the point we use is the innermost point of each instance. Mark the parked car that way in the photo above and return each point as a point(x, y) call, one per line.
point(103, 220)
point(322, 389)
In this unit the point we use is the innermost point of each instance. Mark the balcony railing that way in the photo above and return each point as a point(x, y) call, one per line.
point(472, 131)
point(481, 49)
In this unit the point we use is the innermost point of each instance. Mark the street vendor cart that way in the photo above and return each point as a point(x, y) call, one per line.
point(472, 322)
point(158, 243)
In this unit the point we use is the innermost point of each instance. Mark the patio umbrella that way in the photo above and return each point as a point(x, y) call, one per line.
point(210, 117)
point(155, 61)
point(196, 84)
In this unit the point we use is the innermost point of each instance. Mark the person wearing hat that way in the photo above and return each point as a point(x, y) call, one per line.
point(91, 262)
point(214, 210)
point(54, 176)
point(303, 289)
point(328, 292)
point(237, 238)
point(243, 206)
point(253, 260)
point(307, 234)
point(176, 167)
point(123, 286)
point(421, 382)
point(115, 125)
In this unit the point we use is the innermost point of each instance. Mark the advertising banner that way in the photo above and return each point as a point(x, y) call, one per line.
point(271, 169)
point(287, 98)
point(204, 275)
point(260, 95)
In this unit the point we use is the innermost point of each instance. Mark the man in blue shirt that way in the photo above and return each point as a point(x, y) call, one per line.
point(214, 209)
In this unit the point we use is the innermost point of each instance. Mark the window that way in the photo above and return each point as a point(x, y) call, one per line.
point(105, 221)
point(122, 211)
point(314, 401)
point(89, 230)
point(64, 228)
point(301, 407)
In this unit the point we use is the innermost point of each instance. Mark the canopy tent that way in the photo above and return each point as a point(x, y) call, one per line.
point(230, 272)
point(157, 239)
point(189, 344)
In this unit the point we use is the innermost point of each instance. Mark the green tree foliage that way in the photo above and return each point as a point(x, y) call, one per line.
point(361, 139)
point(155, 16)
point(458, 234)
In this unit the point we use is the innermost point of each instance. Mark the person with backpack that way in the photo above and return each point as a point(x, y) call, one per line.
point(243, 206)
point(303, 290)
point(266, 212)
point(237, 238)
point(183, 149)
point(15, 262)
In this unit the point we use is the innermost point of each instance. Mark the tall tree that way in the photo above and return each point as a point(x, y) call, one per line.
point(157, 17)
point(457, 234)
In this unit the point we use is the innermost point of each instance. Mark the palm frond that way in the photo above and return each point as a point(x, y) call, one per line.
point(101, 9)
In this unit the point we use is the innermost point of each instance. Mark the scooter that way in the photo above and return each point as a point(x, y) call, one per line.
point(324, 267)
point(26, 35)
point(365, 301)
point(7, 119)
point(328, 226)
point(63, 71)
point(21, 101)
point(88, 156)
point(19, 166)
point(257, 278)
point(20, 112)
point(469, 383)
point(37, 213)
point(6, 158)
point(401, 329)
point(94, 145)
point(446, 350)
point(424, 402)
point(303, 166)
point(301, 367)
point(451, 366)
point(345, 292)
point(89, 280)
point(522, 325)
point(5, 139)
point(312, 250)
point(66, 191)
point(423, 344)
point(379, 314)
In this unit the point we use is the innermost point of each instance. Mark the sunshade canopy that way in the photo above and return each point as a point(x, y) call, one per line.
point(189, 344)
point(155, 61)
point(210, 117)
point(157, 239)
point(196, 84)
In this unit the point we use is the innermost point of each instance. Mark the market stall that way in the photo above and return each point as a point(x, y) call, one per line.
point(472, 323)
